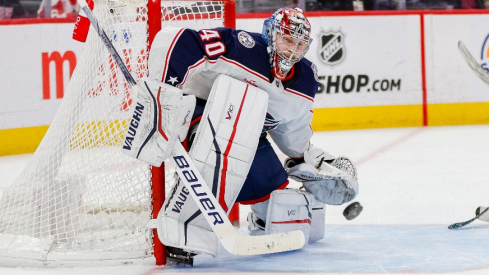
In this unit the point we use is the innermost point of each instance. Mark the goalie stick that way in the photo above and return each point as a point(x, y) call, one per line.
point(233, 241)
point(462, 224)
point(481, 73)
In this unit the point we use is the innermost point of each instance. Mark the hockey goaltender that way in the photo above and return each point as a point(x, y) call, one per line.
point(220, 92)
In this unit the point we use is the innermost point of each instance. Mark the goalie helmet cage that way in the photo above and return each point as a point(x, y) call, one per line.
point(79, 200)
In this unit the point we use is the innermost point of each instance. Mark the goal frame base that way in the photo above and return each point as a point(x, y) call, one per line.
point(82, 262)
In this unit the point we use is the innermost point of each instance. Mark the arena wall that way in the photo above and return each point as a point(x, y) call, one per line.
point(376, 69)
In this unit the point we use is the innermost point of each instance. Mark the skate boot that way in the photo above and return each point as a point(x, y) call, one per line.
point(178, 256)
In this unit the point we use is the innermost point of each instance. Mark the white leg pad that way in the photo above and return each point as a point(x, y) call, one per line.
point(318, 221)
point(288, 210)
point(179, 227)
point(223, 150)
point(228, 135)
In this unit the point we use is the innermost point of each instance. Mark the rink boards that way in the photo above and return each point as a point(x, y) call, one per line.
point(375, 69)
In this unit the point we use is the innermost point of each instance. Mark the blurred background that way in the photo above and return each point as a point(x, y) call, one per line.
point(10, 9)
point(386, 69)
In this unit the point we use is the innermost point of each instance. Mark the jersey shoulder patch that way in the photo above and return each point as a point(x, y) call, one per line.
point(246, 40)
point(315, 71)
point(308, 81)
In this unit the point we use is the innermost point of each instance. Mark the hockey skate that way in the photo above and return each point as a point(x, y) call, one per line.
point(178, 256)
point(255, 223)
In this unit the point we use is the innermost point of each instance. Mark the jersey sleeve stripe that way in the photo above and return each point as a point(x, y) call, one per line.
point(300, 94)
point(243, 67)
point(168, 54)
point(200, 62)
point(196, 65)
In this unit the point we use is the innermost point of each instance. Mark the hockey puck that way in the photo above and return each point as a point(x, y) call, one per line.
point(352, 211)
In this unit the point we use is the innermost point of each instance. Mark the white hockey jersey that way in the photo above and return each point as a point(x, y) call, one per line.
point(192, 60)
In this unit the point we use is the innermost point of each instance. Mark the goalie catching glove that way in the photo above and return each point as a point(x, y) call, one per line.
point(161, 116)
point(332, 180)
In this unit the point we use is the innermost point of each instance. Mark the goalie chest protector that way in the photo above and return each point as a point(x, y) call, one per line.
point(192, 60)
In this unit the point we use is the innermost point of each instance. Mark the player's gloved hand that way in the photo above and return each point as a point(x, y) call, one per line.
point(317, 156)
point(291, 162)
point(161, 115)
point(313, 155)
point(334, 183)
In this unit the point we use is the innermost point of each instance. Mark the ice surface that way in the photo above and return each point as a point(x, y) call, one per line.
point(414, 182)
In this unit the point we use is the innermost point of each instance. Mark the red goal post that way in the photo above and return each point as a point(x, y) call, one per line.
point(155, 17)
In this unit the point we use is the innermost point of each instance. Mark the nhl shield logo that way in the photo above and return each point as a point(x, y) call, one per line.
point(331, 47)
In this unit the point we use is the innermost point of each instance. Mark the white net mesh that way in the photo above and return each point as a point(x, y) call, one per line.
point(80, 198)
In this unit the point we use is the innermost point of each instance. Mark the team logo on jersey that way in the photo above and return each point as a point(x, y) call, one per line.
point(246, 40)
point(270, 123)
point(331, 47)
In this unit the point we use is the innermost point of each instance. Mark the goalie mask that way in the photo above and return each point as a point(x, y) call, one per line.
point(287, 34)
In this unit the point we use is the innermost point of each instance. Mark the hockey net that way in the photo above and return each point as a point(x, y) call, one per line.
point(80, 198)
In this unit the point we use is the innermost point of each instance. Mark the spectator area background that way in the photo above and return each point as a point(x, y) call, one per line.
point(69, 8)
point(399, 69)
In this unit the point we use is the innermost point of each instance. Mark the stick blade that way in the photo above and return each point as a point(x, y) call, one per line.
point(456, 225)
point(245, 245)
point(478, 214)
point(461, 224)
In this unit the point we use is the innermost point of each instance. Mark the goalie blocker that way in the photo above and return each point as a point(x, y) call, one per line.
point(161, 117)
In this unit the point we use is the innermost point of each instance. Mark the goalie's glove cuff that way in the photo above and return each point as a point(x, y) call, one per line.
point(291, 162)
point(317, 156)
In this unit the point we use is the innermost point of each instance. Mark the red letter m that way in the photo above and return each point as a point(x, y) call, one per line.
point(58, 62)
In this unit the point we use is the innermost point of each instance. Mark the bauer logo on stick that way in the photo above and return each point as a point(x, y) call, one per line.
point(196, 188)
